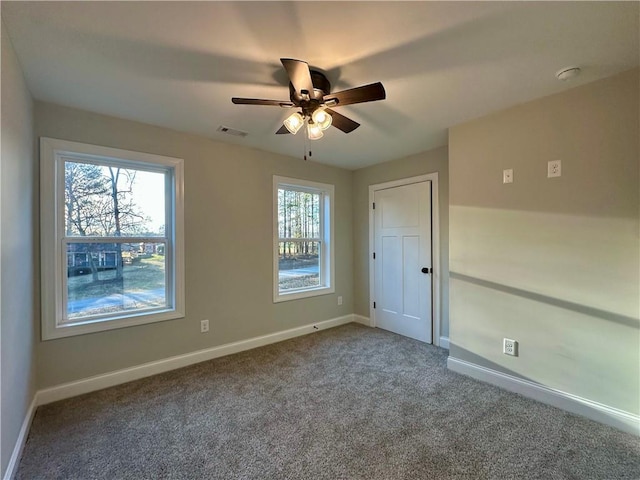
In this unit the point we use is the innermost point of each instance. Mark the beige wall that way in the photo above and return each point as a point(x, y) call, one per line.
point(551, 262)
point(19, 305)
point(228, 237)
point(427, 162)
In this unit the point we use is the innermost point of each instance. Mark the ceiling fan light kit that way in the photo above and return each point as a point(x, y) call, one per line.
point(314, 132)
point(321, 118)
point(310, 90)
point(294, 122)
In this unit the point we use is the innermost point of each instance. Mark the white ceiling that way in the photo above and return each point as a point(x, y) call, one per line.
point(177, 64)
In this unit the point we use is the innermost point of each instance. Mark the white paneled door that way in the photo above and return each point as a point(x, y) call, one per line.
point(403, 268)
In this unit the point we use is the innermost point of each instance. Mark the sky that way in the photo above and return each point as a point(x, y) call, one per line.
point(148, 190)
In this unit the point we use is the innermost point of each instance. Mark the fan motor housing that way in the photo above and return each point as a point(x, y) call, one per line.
point(321, 87)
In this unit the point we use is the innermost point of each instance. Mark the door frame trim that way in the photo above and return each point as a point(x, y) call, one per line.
point(436, 278)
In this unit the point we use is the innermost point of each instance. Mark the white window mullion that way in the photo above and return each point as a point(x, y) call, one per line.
point(62, 296)
point(295, 239)
point(116, 239)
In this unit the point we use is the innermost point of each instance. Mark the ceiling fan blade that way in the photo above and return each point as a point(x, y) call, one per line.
point(366, 93)
point(282, 130)
point(341, 122)
point(299, 75)
point(258, 101)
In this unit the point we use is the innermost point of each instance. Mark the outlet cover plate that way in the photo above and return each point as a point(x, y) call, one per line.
point(554, 168)
point(507, 176)
point(204, 326)
point(510, 347)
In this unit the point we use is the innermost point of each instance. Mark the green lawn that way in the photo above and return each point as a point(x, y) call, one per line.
point(143, 275)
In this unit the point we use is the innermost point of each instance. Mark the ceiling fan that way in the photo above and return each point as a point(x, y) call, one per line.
point(310, 91)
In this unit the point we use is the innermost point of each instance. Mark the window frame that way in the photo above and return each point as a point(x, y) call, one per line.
point(53, 243)
point(327, 250)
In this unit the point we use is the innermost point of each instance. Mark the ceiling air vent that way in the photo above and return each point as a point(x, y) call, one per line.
point(232, 131)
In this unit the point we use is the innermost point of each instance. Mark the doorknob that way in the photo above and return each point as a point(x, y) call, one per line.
point(426, 270)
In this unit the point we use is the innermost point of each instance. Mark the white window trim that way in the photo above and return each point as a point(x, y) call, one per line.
point(327, 235)
point(53, 259)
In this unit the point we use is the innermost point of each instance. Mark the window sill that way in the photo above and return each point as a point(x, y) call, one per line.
point(102, 325)
point(296, 295)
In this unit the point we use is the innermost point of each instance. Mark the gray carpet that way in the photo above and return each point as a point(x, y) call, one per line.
point(346, 403)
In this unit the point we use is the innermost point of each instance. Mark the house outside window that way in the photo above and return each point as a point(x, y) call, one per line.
point(112, 238)
point(303, 239)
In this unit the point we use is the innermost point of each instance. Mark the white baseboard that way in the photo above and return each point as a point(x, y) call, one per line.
point(362, 319)
point(444, 342)
point(98, 382)
point(599, 412)
point(14, 461)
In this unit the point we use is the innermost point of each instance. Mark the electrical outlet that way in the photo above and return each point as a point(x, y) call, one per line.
point(340, 300)
point(204, 326)
point(554, 168)
point(510, 347)
point(507, 176)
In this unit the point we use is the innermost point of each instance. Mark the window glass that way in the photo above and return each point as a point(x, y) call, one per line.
point(298, 265)
point(299, 247)
point(108, 278)
point(104, 200)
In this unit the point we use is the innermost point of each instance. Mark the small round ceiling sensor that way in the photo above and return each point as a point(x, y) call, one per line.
point(568, 73)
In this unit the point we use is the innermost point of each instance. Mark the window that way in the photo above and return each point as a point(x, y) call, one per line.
point(112, 238)
point(303, 239)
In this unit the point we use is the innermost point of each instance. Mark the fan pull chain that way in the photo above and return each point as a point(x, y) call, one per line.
point(304, 147)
